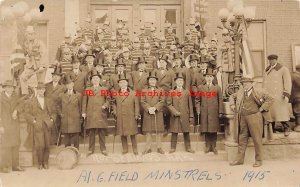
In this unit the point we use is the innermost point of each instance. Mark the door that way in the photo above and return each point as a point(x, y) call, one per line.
point(160, 15)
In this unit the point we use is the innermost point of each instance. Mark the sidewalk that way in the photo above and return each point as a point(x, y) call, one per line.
point(200, 173)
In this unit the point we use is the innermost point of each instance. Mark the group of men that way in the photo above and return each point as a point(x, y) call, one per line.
point(95, 62)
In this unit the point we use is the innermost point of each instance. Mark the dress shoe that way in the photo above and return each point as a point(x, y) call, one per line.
point(104, 153)
point(207, 149)
point(190, 150)
point(135, 152)
point(89, 153)
point(147, 151)
point(124, 152)
point(18, 168)
point(172, 151)
point(235, 163)
point(215, 151)
point(46, 166)
point(40, 166)
point(4, 170)
point(159, 150)
point(165, 133)
point(287, 131)
point(257, 164)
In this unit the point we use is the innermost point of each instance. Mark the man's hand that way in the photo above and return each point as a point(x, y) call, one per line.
point(84, 115)
point(151, 110)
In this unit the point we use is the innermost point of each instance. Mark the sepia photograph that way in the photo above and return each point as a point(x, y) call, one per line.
point(149, 93)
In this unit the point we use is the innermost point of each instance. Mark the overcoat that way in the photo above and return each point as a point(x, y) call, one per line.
point(182, 104)
point(114, 85)
point(209, 107)
point(139, 81)
point(295, 96)
point(11, 136)
point(277, 81)
point(147, 101)
point(165, 79)
point(92, 107)
point(126, 109)
point(70, 112)
point(79, 80)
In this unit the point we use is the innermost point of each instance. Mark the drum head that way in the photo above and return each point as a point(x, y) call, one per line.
point(67, 158)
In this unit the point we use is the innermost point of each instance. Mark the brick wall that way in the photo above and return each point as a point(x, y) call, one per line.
point(282, 24)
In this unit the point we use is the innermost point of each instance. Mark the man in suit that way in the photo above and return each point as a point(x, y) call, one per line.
point(127, 111)
point(53, 89)
point(181, 109)
point(41, 115)
point(295, 97)
point(69, 110)
point(94, 109)
point(278, 82)
point(209, 106)
point(139, 77)
point(9, 129)
point(114, 78)
point(89, 59)
point(250, 104)
point(153, 113)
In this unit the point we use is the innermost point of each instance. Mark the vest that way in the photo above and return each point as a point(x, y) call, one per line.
point(249, 106)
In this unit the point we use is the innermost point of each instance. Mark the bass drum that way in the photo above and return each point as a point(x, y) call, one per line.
point(68, 158)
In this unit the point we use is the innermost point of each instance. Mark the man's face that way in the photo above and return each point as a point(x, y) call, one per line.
point(247, 85)
point(70, 85)
point(141, 66)
point(163, 64)
point(177, 62)
point(56, 78)
point(100, 36)
point(179, 82)
point(41, 92)
point(99, 68)
point(203, 51)
point(123, 84)
point(272, 62)
point(120, 68)
point(213, 44)
point(76, 65)
point(108, 58)
point(203, 65)
point(126, 54)
point(30, 36)
point(89, 60)
point(191, 27)
point(209, 79)
point(152, 82)
point(170, 30)
point(194, 63)
point(68, 40)
point(113, 42)
point(136, 45)
point(96, 80)
point(147, 50)
point(9, 89)
point(188, 36)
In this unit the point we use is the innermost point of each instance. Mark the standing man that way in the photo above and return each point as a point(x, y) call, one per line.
point(114, 78)
point(181, 109)
point(94, 108)
point(9, 129)
point(42, 116)
point(69, 110)
point(210, 108)
point(153, 113)
point(53, 89)
point(248, 104)
point(278, 83)
point(127, 111)
point(295, 97)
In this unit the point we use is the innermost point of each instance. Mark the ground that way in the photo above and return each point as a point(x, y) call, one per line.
point(195, 173)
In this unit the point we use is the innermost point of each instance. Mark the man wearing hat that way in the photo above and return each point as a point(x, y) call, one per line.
point(67, 43)
point(120, 70)
point(36, 50)
point(100, 68)
point(149, 57)
point(125, 41)
point(210, 108)
point(127, 60)
point(193, 30)
point(162, 49)
point(188, 44)
point(250, 104)
point(69, 110)
point(109, 62)
point(89, 62)
point(295, 97)
point(178, 68)
point(181, 109)
point(66, 61)
point(136, 50)
point(41, 115)
point(139, 76)
point(277, 81)
point(113, 47)
point(153, 113)
point(153, 39)
point(79, 39)
point(87, 31)
point(127, 110)
point(53, 89)
point(9, 129)
point(170, 36)
point(107, 31)
point(78, 76)
point(96, 123)
point(28, 78)
point(143, 35)
point(206, 57)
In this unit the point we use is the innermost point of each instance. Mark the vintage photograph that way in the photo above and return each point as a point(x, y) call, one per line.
point(149, 93)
